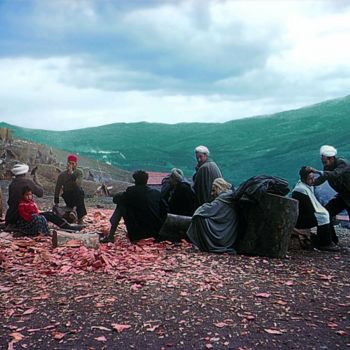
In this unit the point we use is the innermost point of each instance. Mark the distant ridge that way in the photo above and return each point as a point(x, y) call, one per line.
point(277, 144)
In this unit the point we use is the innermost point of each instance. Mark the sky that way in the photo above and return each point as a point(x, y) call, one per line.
point(69, 64)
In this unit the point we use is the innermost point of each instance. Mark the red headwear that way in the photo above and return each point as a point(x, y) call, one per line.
point(72, 158)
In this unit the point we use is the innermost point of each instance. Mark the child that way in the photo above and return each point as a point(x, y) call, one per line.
point(31, 222)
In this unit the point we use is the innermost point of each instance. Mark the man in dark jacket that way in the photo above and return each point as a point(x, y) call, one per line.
point(15, 194)
point(336, 171)
point(70, 183)
point(15, 191)
point(142, 210)
point(206, 172)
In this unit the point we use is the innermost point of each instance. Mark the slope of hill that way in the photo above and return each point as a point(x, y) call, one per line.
point(277, 144)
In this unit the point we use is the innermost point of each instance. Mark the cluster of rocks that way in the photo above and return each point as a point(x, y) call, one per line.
point(44, 162)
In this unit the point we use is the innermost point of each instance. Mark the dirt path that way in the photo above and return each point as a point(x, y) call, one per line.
point(161, 296)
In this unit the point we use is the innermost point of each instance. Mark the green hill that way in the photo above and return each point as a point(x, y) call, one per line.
point(277, 144)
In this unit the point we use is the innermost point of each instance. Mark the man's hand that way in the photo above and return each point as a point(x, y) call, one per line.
point(313, 170)
point(69, 168)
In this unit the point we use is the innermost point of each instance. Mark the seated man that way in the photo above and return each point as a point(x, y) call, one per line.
point(15, 193)
point(142, 209)
point(177, 193)
point(311, 211)
point(214, 226)
point(18, 184)
point(70, 181)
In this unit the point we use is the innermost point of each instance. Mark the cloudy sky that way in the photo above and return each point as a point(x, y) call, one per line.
point(67, 64)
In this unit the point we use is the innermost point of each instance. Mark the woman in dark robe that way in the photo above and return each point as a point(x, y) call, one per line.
point(214, 226)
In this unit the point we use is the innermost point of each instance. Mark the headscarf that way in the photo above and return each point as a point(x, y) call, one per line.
point(177, 174)
point(328, 151)
point(220, 185)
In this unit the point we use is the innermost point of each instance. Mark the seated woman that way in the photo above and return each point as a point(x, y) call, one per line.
point(31, 221)
point(311, 211)
point(214, 226)
point(177, 194)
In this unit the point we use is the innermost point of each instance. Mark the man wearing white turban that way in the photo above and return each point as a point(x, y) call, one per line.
point(336, 171)
point(206, 172)
point(15, 191)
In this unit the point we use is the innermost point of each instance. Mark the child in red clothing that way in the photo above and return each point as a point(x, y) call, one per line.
point(31, 222)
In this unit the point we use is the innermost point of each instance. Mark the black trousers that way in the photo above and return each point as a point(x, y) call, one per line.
point(75, 198)
point(51, 217)
point(334, 207)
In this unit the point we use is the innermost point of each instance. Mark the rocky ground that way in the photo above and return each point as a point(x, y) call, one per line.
point(164, 296)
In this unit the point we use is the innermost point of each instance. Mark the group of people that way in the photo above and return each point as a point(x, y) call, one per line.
point(312, 213)
point(208, 199)
point(23, 213)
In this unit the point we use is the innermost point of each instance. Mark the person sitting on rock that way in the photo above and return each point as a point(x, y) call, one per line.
point(70, 182)
point(177, 193)
point(142, 209)
point(31, 222)
point(15, 192)
point(214, 226)
point(311, 211)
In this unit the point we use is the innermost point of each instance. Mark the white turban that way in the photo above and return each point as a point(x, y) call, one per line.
point(328, 151)
point(202, 149)
point(20, 169)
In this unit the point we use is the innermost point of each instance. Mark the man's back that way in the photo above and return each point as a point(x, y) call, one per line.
point(144, 211)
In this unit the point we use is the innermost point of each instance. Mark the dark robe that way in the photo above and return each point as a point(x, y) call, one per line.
point(306, 216)
point(214, 226)
point(182, 200)
point(144, 212)
point(338, 177)
point(307, 219)
point(203, 179)
point(15, 195)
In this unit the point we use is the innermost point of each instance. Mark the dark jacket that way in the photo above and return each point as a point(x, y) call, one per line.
point(306, 217)
point(338, 178)
point(145, 212)
point(182, 200)
point(15, 195)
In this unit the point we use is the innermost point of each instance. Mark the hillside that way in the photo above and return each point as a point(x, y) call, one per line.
point(277, 144)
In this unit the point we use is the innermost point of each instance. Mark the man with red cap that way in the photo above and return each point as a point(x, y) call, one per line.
point(70, 182)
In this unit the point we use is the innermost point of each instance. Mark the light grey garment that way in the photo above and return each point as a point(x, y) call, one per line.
point(203, 181)
point(214, 226)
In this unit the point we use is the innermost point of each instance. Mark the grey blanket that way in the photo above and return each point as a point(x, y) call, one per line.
point(214, 226)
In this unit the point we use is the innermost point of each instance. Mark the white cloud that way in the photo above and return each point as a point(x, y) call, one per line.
point(91, 63)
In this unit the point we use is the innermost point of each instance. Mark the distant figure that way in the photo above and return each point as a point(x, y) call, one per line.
point(15, 193)
point(31, 221)
point(70, 183)
point(214, 226)
point(142, 209)
point(311, 211)
point(177, 193)
point(206, 172)
point(336, 171)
